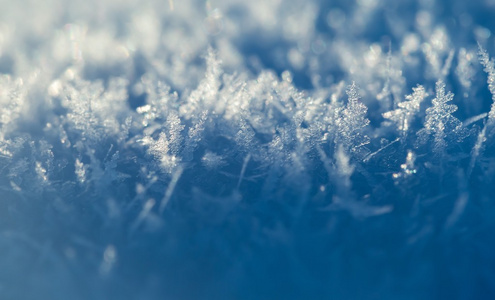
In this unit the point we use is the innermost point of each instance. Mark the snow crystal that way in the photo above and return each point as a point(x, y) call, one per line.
point(258, 149)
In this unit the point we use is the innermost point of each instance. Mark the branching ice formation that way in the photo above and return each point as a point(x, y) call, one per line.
point(440, 123)
point(247, 149)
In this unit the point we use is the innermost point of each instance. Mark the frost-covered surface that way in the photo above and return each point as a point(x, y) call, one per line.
point(259, 149)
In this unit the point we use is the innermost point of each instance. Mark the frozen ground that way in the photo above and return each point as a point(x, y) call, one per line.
point(261, 149)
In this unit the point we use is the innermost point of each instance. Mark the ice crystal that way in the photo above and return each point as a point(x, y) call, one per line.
point(440, 124)
point(259, 149)
point(351, 124)
point(404, 115)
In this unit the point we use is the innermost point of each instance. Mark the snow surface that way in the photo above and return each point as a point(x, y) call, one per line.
point(261, 149)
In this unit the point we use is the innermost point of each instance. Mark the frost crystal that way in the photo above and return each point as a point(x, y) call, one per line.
point(489, 126)
point(404, 115)
point(197, 149)
point(440, 123)
point(351, 124)
point(489, 67)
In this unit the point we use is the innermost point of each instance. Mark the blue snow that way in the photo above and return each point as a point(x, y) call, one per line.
point(262, 149)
